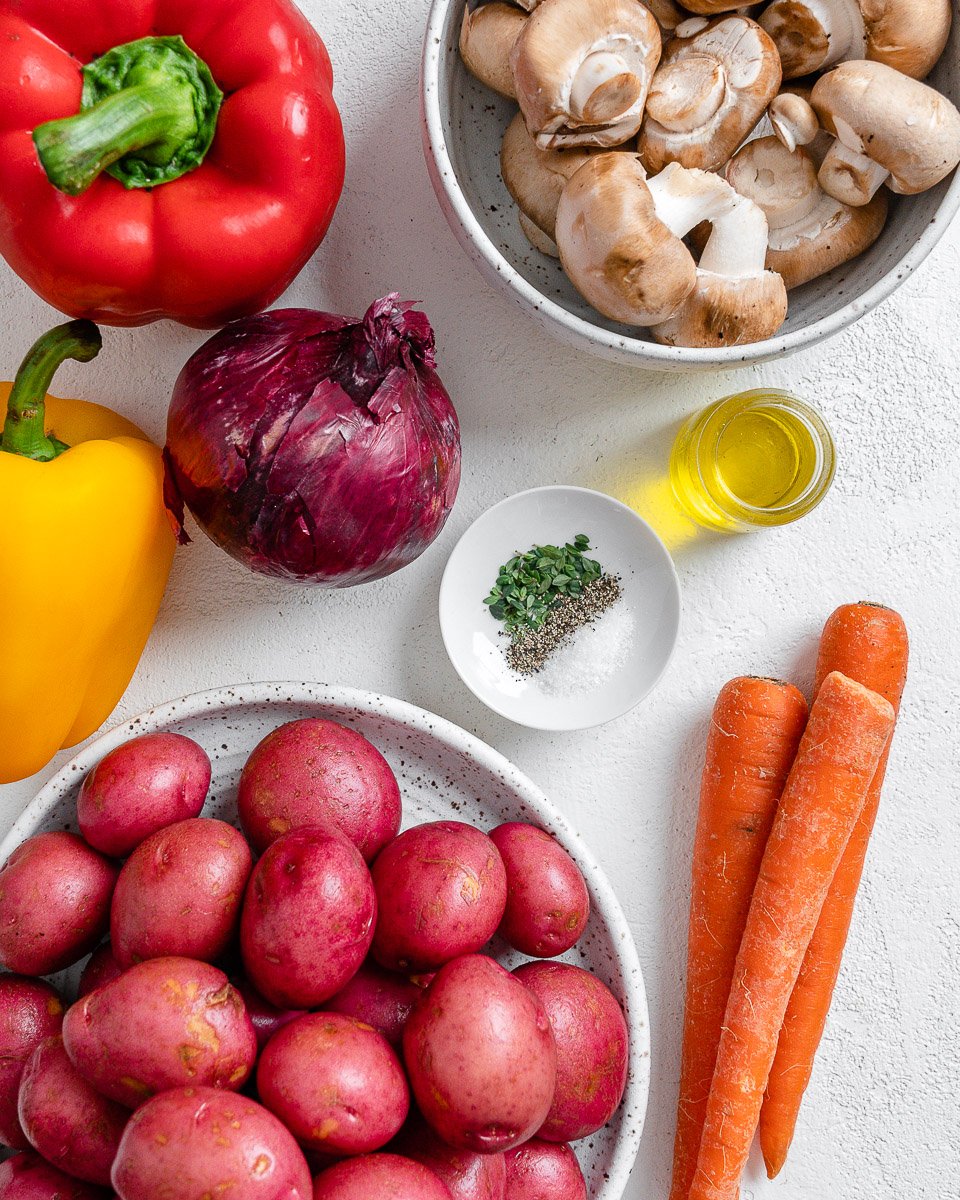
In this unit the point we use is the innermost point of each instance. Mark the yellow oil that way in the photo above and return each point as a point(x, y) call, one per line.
point(759, 458)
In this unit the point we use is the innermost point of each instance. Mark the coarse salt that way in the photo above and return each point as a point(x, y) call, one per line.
point(591, 656)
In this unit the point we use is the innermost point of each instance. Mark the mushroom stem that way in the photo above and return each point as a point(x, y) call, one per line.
point(781, 181)
point(683, 197)
point(737, 245)
point(686, 94)
point(851, 177)
point(603, 88)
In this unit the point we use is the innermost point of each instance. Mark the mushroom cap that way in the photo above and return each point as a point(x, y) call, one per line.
point(810, 232)
point(617, 252)
point(668, 14)
point(909, 35)
point(582, 69)
point(902, 125)
point(709, 92)
point(811, 35)
point(534, 177)
point(536, 236)
point(710, 8)
point(487, 35)
point(793, 119)
point(721, 311)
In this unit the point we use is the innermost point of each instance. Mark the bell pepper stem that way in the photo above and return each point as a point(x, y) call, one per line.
point(24, 430)
point(75, 150)
point(148, 115)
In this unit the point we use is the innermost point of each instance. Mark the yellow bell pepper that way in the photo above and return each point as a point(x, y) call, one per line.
point(85, 552)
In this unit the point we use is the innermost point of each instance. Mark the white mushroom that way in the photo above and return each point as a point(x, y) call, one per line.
point(890, 129)
point(810, 232)
point(619, 236)
point(712, 87)
point(619, 253)
point(582, 69)
point(793, 119)
point(535, 178)
point(487, 36)
point(735, 300)
point(668, 14)
point(812, 35)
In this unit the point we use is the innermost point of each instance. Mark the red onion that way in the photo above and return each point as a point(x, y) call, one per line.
point(316, 448)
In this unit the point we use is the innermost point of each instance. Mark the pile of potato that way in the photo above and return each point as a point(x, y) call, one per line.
point(320, 1022)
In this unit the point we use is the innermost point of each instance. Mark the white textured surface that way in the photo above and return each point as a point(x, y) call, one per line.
point(883, 1109)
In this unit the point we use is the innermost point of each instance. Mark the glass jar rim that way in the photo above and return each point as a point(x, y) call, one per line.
point(825, 469)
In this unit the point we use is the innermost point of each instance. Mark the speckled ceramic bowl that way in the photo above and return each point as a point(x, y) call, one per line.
point(444, 772)
point(463, 124)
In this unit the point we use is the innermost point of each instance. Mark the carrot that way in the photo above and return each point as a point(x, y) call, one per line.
point(868, 643)
point(754, 734)
point(847, 733)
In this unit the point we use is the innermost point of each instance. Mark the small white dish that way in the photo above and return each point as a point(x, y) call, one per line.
point(624, 545)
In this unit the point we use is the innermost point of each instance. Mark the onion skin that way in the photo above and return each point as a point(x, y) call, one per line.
point(314, 448)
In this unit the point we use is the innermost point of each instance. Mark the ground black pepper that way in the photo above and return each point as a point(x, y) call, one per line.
point(530, 648)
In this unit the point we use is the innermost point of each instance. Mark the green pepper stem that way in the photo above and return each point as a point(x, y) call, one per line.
point(148, 115)
point(75, 150)
point(24, 430)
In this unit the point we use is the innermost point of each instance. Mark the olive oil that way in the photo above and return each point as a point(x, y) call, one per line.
point(759, 458)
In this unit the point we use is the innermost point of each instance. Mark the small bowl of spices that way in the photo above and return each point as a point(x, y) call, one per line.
point(560, 608)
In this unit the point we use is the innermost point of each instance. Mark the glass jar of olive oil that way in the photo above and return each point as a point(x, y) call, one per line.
point(753, 460)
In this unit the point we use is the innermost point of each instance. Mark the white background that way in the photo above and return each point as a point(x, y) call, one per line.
point(882, 1113)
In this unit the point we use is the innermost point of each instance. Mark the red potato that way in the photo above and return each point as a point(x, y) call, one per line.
point(165, 1023)
point(379, 998)
point(468, 1176)
point(179, 893)
point(335, 1083)
point(379, 1177)
point(54, 903)
point(441, 892)
point(316, 772)
point(481, 1057)
point(267, 1019)
point(308, 918)
point(65, 1118)
point(140, 787)
point(547, 899)
point(100, 968)
point(30, 1010)
point(28, 1177)
point(592, 1048)
point(540, 1170)
point(196, 1143)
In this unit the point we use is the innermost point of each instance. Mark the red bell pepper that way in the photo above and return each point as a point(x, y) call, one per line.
point(189, 175)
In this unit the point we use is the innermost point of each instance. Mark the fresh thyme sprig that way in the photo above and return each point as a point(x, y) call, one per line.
point(530, 584)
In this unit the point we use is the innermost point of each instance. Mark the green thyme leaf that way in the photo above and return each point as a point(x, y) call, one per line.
point(529, 585)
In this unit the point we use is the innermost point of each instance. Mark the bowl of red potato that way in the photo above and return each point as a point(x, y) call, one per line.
point(290, 942)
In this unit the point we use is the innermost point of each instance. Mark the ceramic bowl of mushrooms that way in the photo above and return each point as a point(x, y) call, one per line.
point(699, 186)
